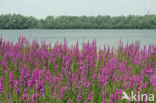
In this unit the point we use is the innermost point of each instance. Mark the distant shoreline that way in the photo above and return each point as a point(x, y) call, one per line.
point(18, 21)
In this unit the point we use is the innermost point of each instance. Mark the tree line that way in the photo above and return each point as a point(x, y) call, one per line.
point(18, 21)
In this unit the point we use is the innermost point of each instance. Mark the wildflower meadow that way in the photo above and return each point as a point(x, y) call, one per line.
point(41, 73)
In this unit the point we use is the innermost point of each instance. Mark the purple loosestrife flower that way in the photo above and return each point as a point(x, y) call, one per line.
point(16, 84)
point(139, 81)
point(9, 98)
point(42, 90)
point(34, 97)
point(2, 84)
point(25, 90)
point(67, 87)
point(104, 101)
point(64, 59)
point(30, 82)
point(55, 79)
point(130, 85)
point(124, 85)
point(48, 77)
point(18, 91)
point(79, 97)
point(22, 76)
point(91, 64)
point(103, 94)
point(11, 80)
point(24, 97)
point(61, 78)
point(85, 101)
point(28, 74)
point(44, 71)
point(40, 75)
point(123, 67)
point(61, 92)
point(112, 98)
point(153, 80)
point(74, 78)
point(35, 74)
point(94, 76)
point(37, 85)
point(54, 62)
point(100, 80)
point(69, 100)
point(53, 96)
point(90, 97)
point(113, 77)
point(129, 68)
point(135, 59)
point(87, 84)
point(118, 93)
point(149, 72)
point(142, 87)
point(56, 86)
point(146, 84)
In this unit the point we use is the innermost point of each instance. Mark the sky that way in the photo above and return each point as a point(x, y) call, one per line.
point(43, 8)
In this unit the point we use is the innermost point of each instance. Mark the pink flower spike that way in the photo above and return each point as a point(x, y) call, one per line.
point(153, 80)
point(11, 80)
point(24, 97)
point(2, 84)
point(69, 100)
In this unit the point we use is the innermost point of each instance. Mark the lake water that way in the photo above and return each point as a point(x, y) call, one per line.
point(103, 37)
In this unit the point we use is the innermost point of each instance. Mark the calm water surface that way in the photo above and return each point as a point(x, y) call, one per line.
point(103, 37)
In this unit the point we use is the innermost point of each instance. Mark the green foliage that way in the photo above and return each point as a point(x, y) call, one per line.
point(17, 21)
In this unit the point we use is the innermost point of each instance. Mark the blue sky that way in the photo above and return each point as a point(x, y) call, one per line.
point(43, 8)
